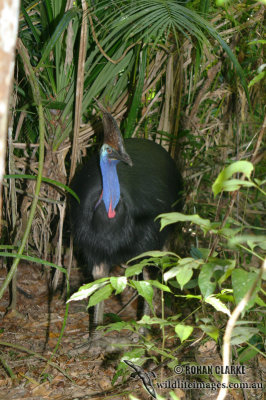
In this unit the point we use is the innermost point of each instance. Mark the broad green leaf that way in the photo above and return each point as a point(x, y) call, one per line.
point(84, 292)
point(159, 285)
point(154, 254)
point(146, 319)
point(184, 275)
point(251, 240)
point(119, 326)
point(211, 331)
point(101, 294)
point(230, 232)
point(145, 289)
point(242, 334)
point(217, 304)
point(118, 283)
point(229, 267)
point(207, 283)
point(247, 354)
point(171, 273)
point(235, 184)
point(183, 271)
point(221, 181)
point(137, 356)
point(134, 270)
point(242, 281)
point(183, 331)
point(260, 302)
point(172, 218)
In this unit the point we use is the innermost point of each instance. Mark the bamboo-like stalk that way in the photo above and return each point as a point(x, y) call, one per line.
point(37, 98)
point(9, 15)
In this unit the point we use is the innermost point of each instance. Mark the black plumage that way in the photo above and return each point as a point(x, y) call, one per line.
point(148, 188)
point(149, 184)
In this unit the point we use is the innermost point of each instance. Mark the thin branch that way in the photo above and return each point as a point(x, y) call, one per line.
point(229, 329)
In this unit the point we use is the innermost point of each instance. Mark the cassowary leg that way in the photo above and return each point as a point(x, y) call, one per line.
point(98, 272)
point(146, 308)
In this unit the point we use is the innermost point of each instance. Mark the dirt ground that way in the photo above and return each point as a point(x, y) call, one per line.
point(29, 337)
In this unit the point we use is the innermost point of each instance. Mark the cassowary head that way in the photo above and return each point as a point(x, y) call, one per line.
point(112, 152)
point(113, 147)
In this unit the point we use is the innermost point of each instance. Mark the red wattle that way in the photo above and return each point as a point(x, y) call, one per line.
point(111, 212)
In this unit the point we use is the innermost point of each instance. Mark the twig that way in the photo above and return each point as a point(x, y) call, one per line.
point(229, 329)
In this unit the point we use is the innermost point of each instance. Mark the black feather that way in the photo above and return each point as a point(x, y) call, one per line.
point(148, 188)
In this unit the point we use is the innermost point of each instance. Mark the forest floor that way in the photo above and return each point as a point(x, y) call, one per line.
point(29, 336)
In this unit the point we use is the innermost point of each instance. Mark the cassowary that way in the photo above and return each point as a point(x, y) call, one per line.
point(122, 190)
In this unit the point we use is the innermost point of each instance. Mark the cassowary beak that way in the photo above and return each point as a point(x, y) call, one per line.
point(125, 158)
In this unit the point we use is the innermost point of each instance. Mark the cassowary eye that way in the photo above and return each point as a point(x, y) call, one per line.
point(109, 151)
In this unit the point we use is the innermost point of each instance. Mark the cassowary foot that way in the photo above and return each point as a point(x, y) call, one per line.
point(99, 343)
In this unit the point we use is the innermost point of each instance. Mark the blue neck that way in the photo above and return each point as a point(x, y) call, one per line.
point(111, 188)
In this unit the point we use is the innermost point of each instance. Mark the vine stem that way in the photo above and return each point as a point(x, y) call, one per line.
point(37, 98)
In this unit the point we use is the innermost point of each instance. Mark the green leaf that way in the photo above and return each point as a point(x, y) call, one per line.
point(229, 267)
point(246, 355)
point(251, 240)
point(222, 181)
point(211, 331)
point(119, 326)
point(136, 102)
point(60, 27)
point(242, 281)
point(242, 334)
point(183, 271)
point(85, 291)
point(147, 320)
point(172, 218)
point(159, 286)
point(46, 180)
point(145, 290)
point(101, 294)
point(207, 283)
point(257, 78)
point(134, 270)
point(33, 259)
point(154, 254)
point(183, 331)
point(31, 26)
point(118, 283)
point(217, 304)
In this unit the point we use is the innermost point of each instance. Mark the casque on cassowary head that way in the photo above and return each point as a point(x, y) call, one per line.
point(122, 190)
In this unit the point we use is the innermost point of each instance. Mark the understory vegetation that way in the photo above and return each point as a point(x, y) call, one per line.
point(191, 76)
